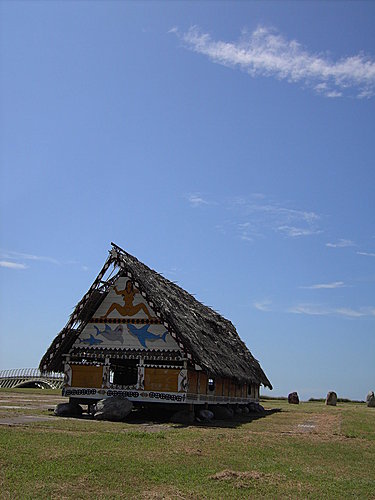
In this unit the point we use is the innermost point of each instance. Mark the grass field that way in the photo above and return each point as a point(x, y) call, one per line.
point(308, 450)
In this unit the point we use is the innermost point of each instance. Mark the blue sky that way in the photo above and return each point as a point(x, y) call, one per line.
point(227, 145)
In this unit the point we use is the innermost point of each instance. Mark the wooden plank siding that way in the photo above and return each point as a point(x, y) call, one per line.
point(161, 379)
point(87, 376)
point(232, 388)
point(238, 390)
point(203, 382)
point(226, 387)
point(218, 386)
point(193, 381)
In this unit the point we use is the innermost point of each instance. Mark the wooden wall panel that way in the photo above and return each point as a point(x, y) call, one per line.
point(87, 376)
point(218, 386)
point(239, 391)
point(193, 381)
point(232, 389)
point(225, 387)
point(203, 381)
point(161, 379)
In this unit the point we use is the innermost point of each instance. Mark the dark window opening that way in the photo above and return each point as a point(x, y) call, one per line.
point(124, 372)
point(249, 390)
point(211, 384)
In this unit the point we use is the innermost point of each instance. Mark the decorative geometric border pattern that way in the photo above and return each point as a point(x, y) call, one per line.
point(137, 321)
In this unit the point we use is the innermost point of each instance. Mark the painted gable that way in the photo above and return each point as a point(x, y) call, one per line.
point(125, 320)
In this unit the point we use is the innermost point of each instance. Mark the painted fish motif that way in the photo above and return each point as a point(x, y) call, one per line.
point(90, 341)
point(143, 334)
point(111, 335)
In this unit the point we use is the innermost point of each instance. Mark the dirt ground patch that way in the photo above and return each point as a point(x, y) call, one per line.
point(243, 479)
point(24, 419)
point(164, 493)
point(29, 402)
point(24, 409)
point(322, 425)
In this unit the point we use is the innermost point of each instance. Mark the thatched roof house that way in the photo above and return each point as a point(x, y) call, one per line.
point(207, 341)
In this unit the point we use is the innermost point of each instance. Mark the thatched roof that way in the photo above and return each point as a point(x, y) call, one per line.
point(208, 339)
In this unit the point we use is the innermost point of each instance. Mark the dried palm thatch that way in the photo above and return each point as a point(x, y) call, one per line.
point(208, 339)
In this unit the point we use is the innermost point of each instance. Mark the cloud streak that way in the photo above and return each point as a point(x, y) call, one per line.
point(252, 217)
point(347, 312)
point(294, 232)
point(342, 243)
point(27, 256)
point(366, 254)
point(12, 265)
point(259, 214)
point(326, 286)
point(196, 200)
point(16, 260)
point(263, 305)
point(267, 53)
point(316, 310)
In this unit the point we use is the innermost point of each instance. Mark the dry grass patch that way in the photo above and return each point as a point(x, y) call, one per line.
point(245, 479)
point(165, 493)
point(228, 475)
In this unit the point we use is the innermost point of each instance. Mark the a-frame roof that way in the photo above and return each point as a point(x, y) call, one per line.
point(208, 339)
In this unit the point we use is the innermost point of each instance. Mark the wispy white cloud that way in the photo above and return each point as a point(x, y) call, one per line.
point(259, 214)
point(221, 229)
point(267, 53)
point(315, 309)
point(366, 254)
point(318, 310)
point(12, 265)
point(263, 305)
point(312, 310)
point(335, 284)
point(342, 243)
point(351, 313)
point(247, 231)
point(16, 260)
point(294, 232)
point(196, 200)
point(27, 256)
point(289, 214)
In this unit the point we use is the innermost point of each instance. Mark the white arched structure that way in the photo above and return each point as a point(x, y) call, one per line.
point(30, 377)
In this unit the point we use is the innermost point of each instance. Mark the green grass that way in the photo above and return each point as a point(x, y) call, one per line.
point(279, 456)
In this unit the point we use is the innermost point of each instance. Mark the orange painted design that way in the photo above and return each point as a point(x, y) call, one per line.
point(128, 309)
